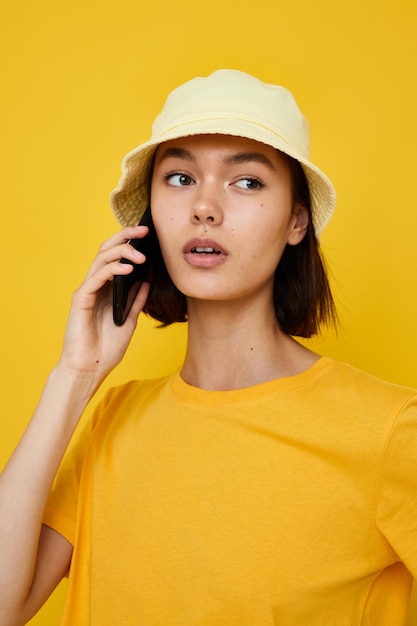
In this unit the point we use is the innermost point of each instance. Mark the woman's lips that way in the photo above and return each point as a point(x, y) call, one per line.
point(204, 253)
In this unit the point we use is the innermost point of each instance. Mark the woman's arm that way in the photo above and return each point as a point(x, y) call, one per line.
point(93, 346)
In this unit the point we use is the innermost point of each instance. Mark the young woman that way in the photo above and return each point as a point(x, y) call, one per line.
point(261, 484)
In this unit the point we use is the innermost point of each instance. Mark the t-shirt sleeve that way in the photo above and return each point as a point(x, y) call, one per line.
point(396, 494)
point(61, 507)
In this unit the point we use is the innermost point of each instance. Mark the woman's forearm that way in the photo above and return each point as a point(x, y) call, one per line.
point(27, 478)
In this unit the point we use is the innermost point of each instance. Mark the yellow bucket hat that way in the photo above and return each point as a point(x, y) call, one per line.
point(228, 102)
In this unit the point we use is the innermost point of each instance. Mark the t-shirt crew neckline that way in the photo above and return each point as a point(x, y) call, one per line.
point(196, 395)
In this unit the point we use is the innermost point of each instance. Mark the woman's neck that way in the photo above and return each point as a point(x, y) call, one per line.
point(237, 345)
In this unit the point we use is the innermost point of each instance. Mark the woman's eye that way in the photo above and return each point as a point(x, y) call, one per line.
point(249, 183)
point(179, 180)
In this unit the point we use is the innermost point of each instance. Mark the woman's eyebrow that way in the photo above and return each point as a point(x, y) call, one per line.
point(246, 157)
point(179, 153)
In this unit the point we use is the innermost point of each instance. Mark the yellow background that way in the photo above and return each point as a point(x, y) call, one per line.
point(81, 82)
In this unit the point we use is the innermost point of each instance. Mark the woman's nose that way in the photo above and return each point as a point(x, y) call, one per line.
point(207, 207)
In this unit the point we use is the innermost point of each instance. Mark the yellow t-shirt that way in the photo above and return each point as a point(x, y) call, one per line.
point(290, 503)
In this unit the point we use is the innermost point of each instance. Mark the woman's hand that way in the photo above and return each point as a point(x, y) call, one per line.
point(93, 344)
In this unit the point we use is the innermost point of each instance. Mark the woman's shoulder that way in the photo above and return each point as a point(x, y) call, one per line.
point(135, 390)
point(339, 376)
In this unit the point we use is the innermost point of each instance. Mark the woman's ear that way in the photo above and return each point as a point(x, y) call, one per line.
point(299, 224)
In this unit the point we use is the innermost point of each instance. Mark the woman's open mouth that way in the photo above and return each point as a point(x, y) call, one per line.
point(201, 250)
point(204, 253)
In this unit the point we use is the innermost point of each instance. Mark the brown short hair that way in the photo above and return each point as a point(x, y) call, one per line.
point(302, 296)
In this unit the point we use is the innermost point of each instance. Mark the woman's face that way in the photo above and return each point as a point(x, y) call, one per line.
point(223, 210)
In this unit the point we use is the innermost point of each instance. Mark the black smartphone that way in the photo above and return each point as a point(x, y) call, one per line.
point(126, 287)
